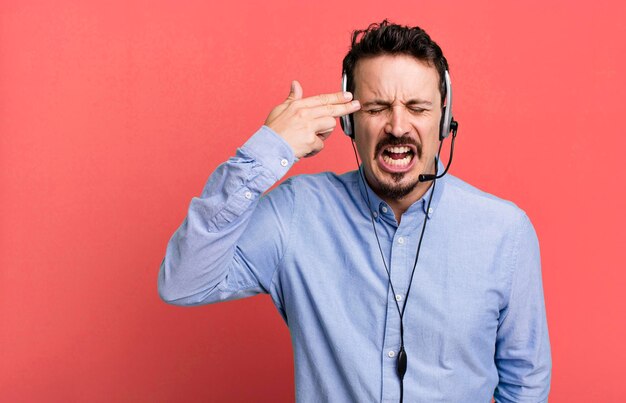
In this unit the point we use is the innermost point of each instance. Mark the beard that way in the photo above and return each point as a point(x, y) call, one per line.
point(395, 189)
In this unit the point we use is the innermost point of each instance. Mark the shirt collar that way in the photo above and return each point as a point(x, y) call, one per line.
point(380, 208)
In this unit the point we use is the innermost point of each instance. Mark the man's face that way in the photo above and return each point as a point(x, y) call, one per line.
point(397, 128)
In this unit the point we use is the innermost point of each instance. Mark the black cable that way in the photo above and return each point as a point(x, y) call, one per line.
point(419, 244)
point(402, 361)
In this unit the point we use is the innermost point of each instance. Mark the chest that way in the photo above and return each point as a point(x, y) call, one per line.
point(455, 293)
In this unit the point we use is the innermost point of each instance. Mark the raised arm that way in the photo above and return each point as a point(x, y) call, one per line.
point(202, 263)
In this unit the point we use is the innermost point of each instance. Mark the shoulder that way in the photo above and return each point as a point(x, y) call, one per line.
point(321, 193)
point(480, 206)
point(487, 222)
point(323, 183)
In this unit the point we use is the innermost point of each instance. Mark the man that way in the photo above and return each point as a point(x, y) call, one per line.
point(392, 287)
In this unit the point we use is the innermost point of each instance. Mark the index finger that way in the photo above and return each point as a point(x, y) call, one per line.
point(326, 99)
point(335, 110)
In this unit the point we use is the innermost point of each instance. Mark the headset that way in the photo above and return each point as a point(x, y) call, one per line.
point(446, 125)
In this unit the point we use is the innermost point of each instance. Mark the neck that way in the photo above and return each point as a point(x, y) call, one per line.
point(400, 206)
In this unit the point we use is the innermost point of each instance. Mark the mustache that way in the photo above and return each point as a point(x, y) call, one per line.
point(398, 141)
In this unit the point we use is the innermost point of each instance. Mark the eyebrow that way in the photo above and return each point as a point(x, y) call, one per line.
point(387, 103)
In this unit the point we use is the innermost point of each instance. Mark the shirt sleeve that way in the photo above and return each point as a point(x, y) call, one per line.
point(522, 346)
point(204, 262)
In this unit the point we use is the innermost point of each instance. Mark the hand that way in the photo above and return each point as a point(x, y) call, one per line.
point(305, 123)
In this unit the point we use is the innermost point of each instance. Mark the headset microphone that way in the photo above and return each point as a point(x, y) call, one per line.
point(429, 177)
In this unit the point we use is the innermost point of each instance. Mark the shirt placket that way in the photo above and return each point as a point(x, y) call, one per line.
point(400, 274)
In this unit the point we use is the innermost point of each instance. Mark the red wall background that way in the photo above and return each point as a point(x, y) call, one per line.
point(113, 114)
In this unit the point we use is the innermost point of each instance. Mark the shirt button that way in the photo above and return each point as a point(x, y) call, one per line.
point(248, 195)
point(401, 241)
point(391, 354)
point(384, 209)
point(430, 210)
point(375, 214)
point(398, 297)
point(284, 162)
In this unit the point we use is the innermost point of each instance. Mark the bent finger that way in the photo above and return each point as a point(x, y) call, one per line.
point(325, 135)
point(324, 124)
point(318, 145)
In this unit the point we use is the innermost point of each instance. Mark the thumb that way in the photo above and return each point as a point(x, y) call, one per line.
point(296, 91)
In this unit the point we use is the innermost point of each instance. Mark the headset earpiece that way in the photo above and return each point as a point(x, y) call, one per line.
point(447, 123)
point(346, 121)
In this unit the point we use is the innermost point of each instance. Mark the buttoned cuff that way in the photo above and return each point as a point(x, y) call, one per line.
point(271, 151)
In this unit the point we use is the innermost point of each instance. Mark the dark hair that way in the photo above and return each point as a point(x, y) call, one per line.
point(387, 38)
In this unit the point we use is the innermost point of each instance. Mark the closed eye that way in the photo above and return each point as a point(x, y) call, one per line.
point(374, 111)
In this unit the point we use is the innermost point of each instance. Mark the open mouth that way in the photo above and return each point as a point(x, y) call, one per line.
point(397, 158)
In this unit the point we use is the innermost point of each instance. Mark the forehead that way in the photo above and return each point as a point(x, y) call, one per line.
point(391, 77)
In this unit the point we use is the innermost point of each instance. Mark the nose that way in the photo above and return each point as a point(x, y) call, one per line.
point(397, 124)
